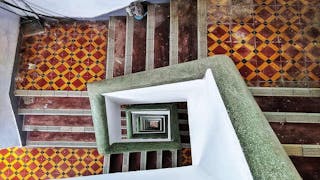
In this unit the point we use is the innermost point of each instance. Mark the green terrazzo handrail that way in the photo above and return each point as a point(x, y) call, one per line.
point(264, 153)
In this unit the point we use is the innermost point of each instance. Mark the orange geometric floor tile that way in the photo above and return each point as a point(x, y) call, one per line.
point(277, 45)
point(185, 157)
point(65, 57)
point(49, 163)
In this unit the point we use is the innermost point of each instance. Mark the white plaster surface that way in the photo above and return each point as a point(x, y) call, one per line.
point(74, 8)
point(9, 32)
point(216, 151)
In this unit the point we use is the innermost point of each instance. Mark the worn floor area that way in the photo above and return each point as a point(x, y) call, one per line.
point(56, 163)
point(66, 57)
point(277, 44)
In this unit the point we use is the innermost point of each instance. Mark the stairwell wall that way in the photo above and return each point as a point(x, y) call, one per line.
point(9, 33)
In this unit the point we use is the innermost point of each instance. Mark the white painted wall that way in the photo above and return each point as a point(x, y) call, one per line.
point(76, 8)
point(216, 151)
point(9, 32)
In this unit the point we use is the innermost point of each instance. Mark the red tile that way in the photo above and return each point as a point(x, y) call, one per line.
point(98, 55)
point(77, 83)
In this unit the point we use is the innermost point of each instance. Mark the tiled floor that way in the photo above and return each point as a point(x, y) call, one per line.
point(276, 44)
point(186, 159)
point(66, 57)
point(48, 163)
point(55, 163)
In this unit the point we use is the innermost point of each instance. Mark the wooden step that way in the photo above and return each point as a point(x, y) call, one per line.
point(54, 103)
point(289, 104)
point(116, 46)
point(134, 161)
point(139, 45)
point(116, 161)
point(81, 121)
point(297, 133)
point(161, 35)
point(151, 160)
point(308, 167)
point(188, 31)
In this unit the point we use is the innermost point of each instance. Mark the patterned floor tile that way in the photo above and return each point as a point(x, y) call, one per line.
point(219, 40)
point(66, 57)
point(185, 157)
point(280, 47)
point(48, 163)
point(219, 14)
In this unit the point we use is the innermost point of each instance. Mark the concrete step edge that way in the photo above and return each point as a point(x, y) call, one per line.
point(76, 144)
point(303, 150)
point(85, 129)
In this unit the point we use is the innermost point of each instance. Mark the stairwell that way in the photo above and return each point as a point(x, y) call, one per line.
point(170, 34)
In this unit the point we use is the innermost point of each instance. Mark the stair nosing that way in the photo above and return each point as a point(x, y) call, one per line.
point(256, 91)
point(49, 93)
point(285, 91)
point(302, 150)
point(68, 112)
point(42, 128)
point(292, 117)
point(60, 144)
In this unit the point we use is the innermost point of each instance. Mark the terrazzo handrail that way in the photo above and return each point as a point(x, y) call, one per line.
point(263, 151)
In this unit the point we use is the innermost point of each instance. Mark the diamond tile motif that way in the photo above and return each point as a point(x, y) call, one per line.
point(49, 163)
point(62, 58)
point(185, 157)
point(219, 41)
point(280, 47)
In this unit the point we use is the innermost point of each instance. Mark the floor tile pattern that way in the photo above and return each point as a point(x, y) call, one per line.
point(49, 163)
point(65, 57)
point(185, 157)
point(276, 44)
